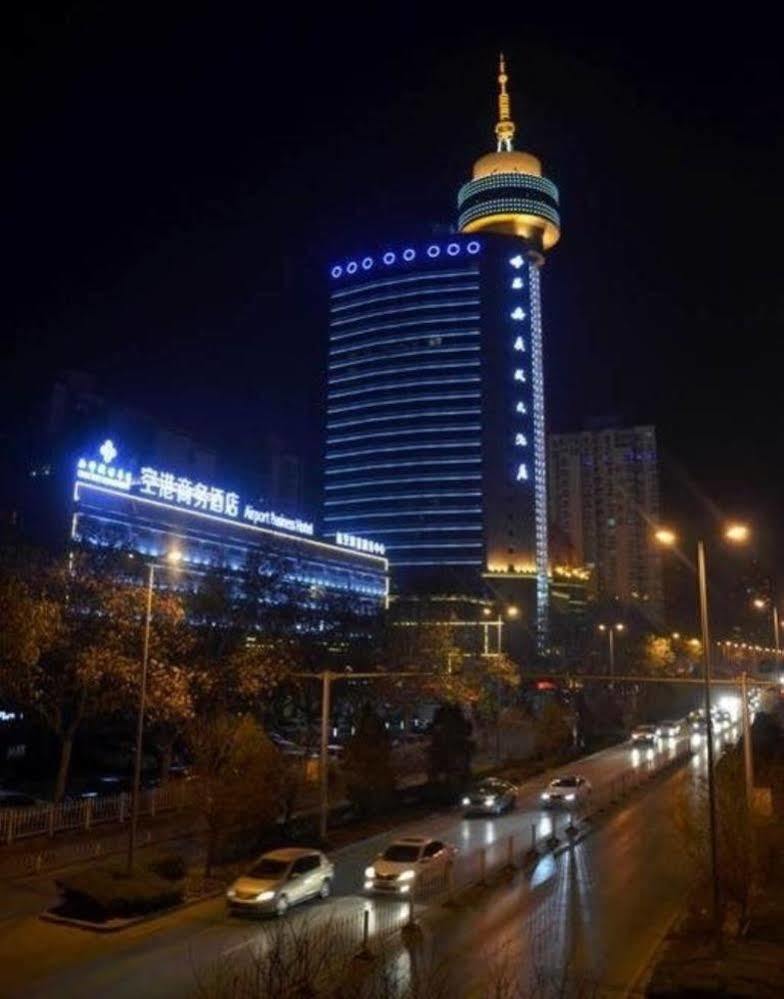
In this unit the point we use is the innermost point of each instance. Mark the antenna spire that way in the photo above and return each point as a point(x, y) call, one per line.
point(505, 127)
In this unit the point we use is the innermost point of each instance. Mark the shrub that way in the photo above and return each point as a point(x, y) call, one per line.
point(171, 867)
point(105, 893)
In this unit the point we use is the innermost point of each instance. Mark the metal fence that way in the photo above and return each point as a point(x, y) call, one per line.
point(84, 813)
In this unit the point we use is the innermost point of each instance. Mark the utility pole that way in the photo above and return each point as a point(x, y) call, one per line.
point(748, 758)
point(137, 760)
point(326, 691)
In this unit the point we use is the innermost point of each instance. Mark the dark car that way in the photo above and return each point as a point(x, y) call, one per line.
point(490, 797)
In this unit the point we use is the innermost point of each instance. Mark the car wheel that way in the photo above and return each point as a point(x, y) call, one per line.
point(282, 905)
point(326, 889)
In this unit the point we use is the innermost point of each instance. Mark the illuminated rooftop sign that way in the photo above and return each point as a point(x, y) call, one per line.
point(178, 491)
point(359, 544)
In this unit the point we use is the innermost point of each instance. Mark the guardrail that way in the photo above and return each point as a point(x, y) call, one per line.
point(84, 813)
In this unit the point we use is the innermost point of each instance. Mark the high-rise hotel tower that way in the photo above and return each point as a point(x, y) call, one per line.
point(435, 415)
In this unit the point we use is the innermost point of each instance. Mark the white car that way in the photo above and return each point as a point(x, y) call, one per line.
point(406, 862)
point(671, 729)
point(566, 792)
point(646, 735)
point(281, 879)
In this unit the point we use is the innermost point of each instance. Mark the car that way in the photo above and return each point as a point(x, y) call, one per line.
point(646, 735)
point(280, 879)
point(490, 797)
point(406, 861)
point(17, 799)
point(671, 729)
point(699, 725)
point(566, 791)
point(285, 746)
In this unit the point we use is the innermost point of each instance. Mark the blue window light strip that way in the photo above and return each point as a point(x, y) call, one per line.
point(396, 386)
point(468, 362)
point(453, 429)
point(413, 463)
point(423, 414)
point(383, 532)
point(417, 293)
point(451, 303)
point(427, 512)
point(429, 276)
point(425, 336)
point(434, 545)
point(404, 481)
point(394, 497)
point(440, 562)
point(405, 401)
point(424, 352)
point(471, 317)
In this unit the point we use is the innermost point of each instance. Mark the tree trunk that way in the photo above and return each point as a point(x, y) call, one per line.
point(66, 745)
point(166, 753)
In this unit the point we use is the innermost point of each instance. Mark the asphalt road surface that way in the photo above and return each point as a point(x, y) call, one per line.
point(601, 906)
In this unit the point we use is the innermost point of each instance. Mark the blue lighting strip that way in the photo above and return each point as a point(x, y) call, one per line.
point(376, 403)
point(390, 497)
point(472, 317)
point(440, 562)
point(434, 544)
point(429, 462)
point(452, 303)
point(385, 531)
point(357, 289)
point(418, 293)
point(394, 386)
point(427, 352)
point(458, 428)
point(428, 511)
point(424, 414)
point(404, 481)
point(425, 335)
point(540, 481)
point(469, 362)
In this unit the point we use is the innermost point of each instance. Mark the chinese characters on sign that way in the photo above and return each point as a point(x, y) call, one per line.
point(176, 489)
point(360, 544)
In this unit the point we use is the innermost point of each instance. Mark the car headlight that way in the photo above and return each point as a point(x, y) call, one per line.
point(570, 797)
point(368, 884)
point(231, 893)
point(546, 796)
point(466, 801)
point(407, 876)
point(490, 800)
point(265, 896)
point(370, 872)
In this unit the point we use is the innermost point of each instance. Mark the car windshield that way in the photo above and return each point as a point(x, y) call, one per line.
point(401, 852)
point(565, 782)
point(268, 868)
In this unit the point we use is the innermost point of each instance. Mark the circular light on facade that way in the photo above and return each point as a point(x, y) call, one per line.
point(389, 257)
point(351, 267)
point(473, 246)
point(409, 254)
point(453, 249)
point(433, 251)
point(337, 270)
point(367, 263)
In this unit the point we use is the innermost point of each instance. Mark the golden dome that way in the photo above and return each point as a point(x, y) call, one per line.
point(505, 161)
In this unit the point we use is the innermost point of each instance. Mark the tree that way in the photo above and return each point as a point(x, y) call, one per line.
point(552, 729)
point(239, 775)
point(367, 764)
point(451, 748)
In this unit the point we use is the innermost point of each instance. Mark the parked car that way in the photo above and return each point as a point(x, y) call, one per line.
point(405, 861)
point(646, 735)
point(490, 796)
point(567, 791)
point(17, 799)
point(671, 729)
point(280, 879)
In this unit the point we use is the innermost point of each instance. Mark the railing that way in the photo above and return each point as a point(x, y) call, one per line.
point(84, 813)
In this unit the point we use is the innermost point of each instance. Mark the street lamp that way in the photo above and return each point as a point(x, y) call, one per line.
point(738, 534)
point(172, 558)
point(761, 604)
point(611, 630)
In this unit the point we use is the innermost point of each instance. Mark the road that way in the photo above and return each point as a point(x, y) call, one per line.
point(605, 903)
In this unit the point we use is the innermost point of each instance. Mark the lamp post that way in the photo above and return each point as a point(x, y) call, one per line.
point(172, 557)
point(738, 534)
point(611, 629)
point(761, 604)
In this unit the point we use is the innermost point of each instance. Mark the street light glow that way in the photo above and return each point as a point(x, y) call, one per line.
point(512, 611)
point(174, 556)
point(739, 533)
point(666, 537)
point(759, 603)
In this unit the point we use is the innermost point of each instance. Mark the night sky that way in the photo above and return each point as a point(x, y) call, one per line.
point(181, 176)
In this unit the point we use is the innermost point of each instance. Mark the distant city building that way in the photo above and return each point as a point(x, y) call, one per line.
point(603, 490)
point(283, 475)
point(151, 510)
point(435, 415)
